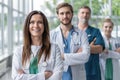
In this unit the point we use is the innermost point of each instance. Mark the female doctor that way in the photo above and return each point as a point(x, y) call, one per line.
point(109, 59)
point(37, 59)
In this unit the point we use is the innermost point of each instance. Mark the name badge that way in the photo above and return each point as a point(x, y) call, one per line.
point(89, 35)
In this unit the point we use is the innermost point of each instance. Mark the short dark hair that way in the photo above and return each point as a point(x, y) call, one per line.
point(64, 4)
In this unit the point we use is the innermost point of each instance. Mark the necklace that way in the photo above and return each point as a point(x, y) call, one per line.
point(33, 68)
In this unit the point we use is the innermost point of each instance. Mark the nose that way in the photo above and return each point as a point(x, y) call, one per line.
point(107, 27)
point(85, 14)
point(35, 24)
point(64, 15)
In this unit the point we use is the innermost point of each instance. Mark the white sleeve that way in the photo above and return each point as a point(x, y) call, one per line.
point(58, 68)
point(17, 64)
point(111, 54)
point(39, 76)
point(79, 58)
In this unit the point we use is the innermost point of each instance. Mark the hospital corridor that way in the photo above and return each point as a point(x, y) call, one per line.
point(104, 16)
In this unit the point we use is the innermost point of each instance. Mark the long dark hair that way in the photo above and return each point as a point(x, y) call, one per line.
point(45, 49)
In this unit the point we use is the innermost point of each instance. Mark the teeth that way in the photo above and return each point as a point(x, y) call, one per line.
point(36, 30)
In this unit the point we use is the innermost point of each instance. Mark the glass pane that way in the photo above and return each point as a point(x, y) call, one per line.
point(21, 5)
point(17, 23)
point(5, 37)
point(15, 4)
point(21, 27)
point(6, 2)
point(30, 5)
point(15, 31)
point(0, 31)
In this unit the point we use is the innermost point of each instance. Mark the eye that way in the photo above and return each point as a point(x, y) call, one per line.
point(61, 13)
point(88, 13)
point(31, 22)
point(110, 27)
point(67, 12)
point(106, 26)
point(40, 22)
point(82, 12)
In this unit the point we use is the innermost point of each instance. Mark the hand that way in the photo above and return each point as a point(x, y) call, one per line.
point(93, 42)
point(95, 48)
point(20, 71)
point(118, 50)
point(79, 50)
point(48, 74)
point(62, 55)
point(106, 51)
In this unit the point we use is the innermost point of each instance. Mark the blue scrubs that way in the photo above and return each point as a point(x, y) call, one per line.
point(67, 75)
point(92, 66)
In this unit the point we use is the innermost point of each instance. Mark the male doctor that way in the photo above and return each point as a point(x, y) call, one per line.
point(73, 43)
point(96, 43)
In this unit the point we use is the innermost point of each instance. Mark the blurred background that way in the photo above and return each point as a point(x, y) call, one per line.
point(13, 13)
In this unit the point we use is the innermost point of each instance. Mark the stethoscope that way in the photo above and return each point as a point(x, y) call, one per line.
point(44, 64)
point(75, 38)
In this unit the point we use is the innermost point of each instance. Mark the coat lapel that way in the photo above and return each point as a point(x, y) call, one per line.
point(59, 38)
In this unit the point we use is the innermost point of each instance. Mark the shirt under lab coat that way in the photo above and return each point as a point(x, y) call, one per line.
point(55, 64)
point(92, 66)
point(111, 54)
point(75, 60)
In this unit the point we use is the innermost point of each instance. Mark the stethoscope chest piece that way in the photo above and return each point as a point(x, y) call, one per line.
point(44, 64)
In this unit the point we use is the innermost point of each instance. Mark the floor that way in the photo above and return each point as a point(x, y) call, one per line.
point(7, 76)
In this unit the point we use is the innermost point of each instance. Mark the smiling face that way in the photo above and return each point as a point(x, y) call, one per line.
point(107, 27)
point(36, 26)
point(84, 15)
point(65, 15)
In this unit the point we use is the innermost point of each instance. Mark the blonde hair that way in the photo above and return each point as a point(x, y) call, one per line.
point(108, 20)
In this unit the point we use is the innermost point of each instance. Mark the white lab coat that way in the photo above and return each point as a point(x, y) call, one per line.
point(111, 54)
point(55, 63)
point(75, 60)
